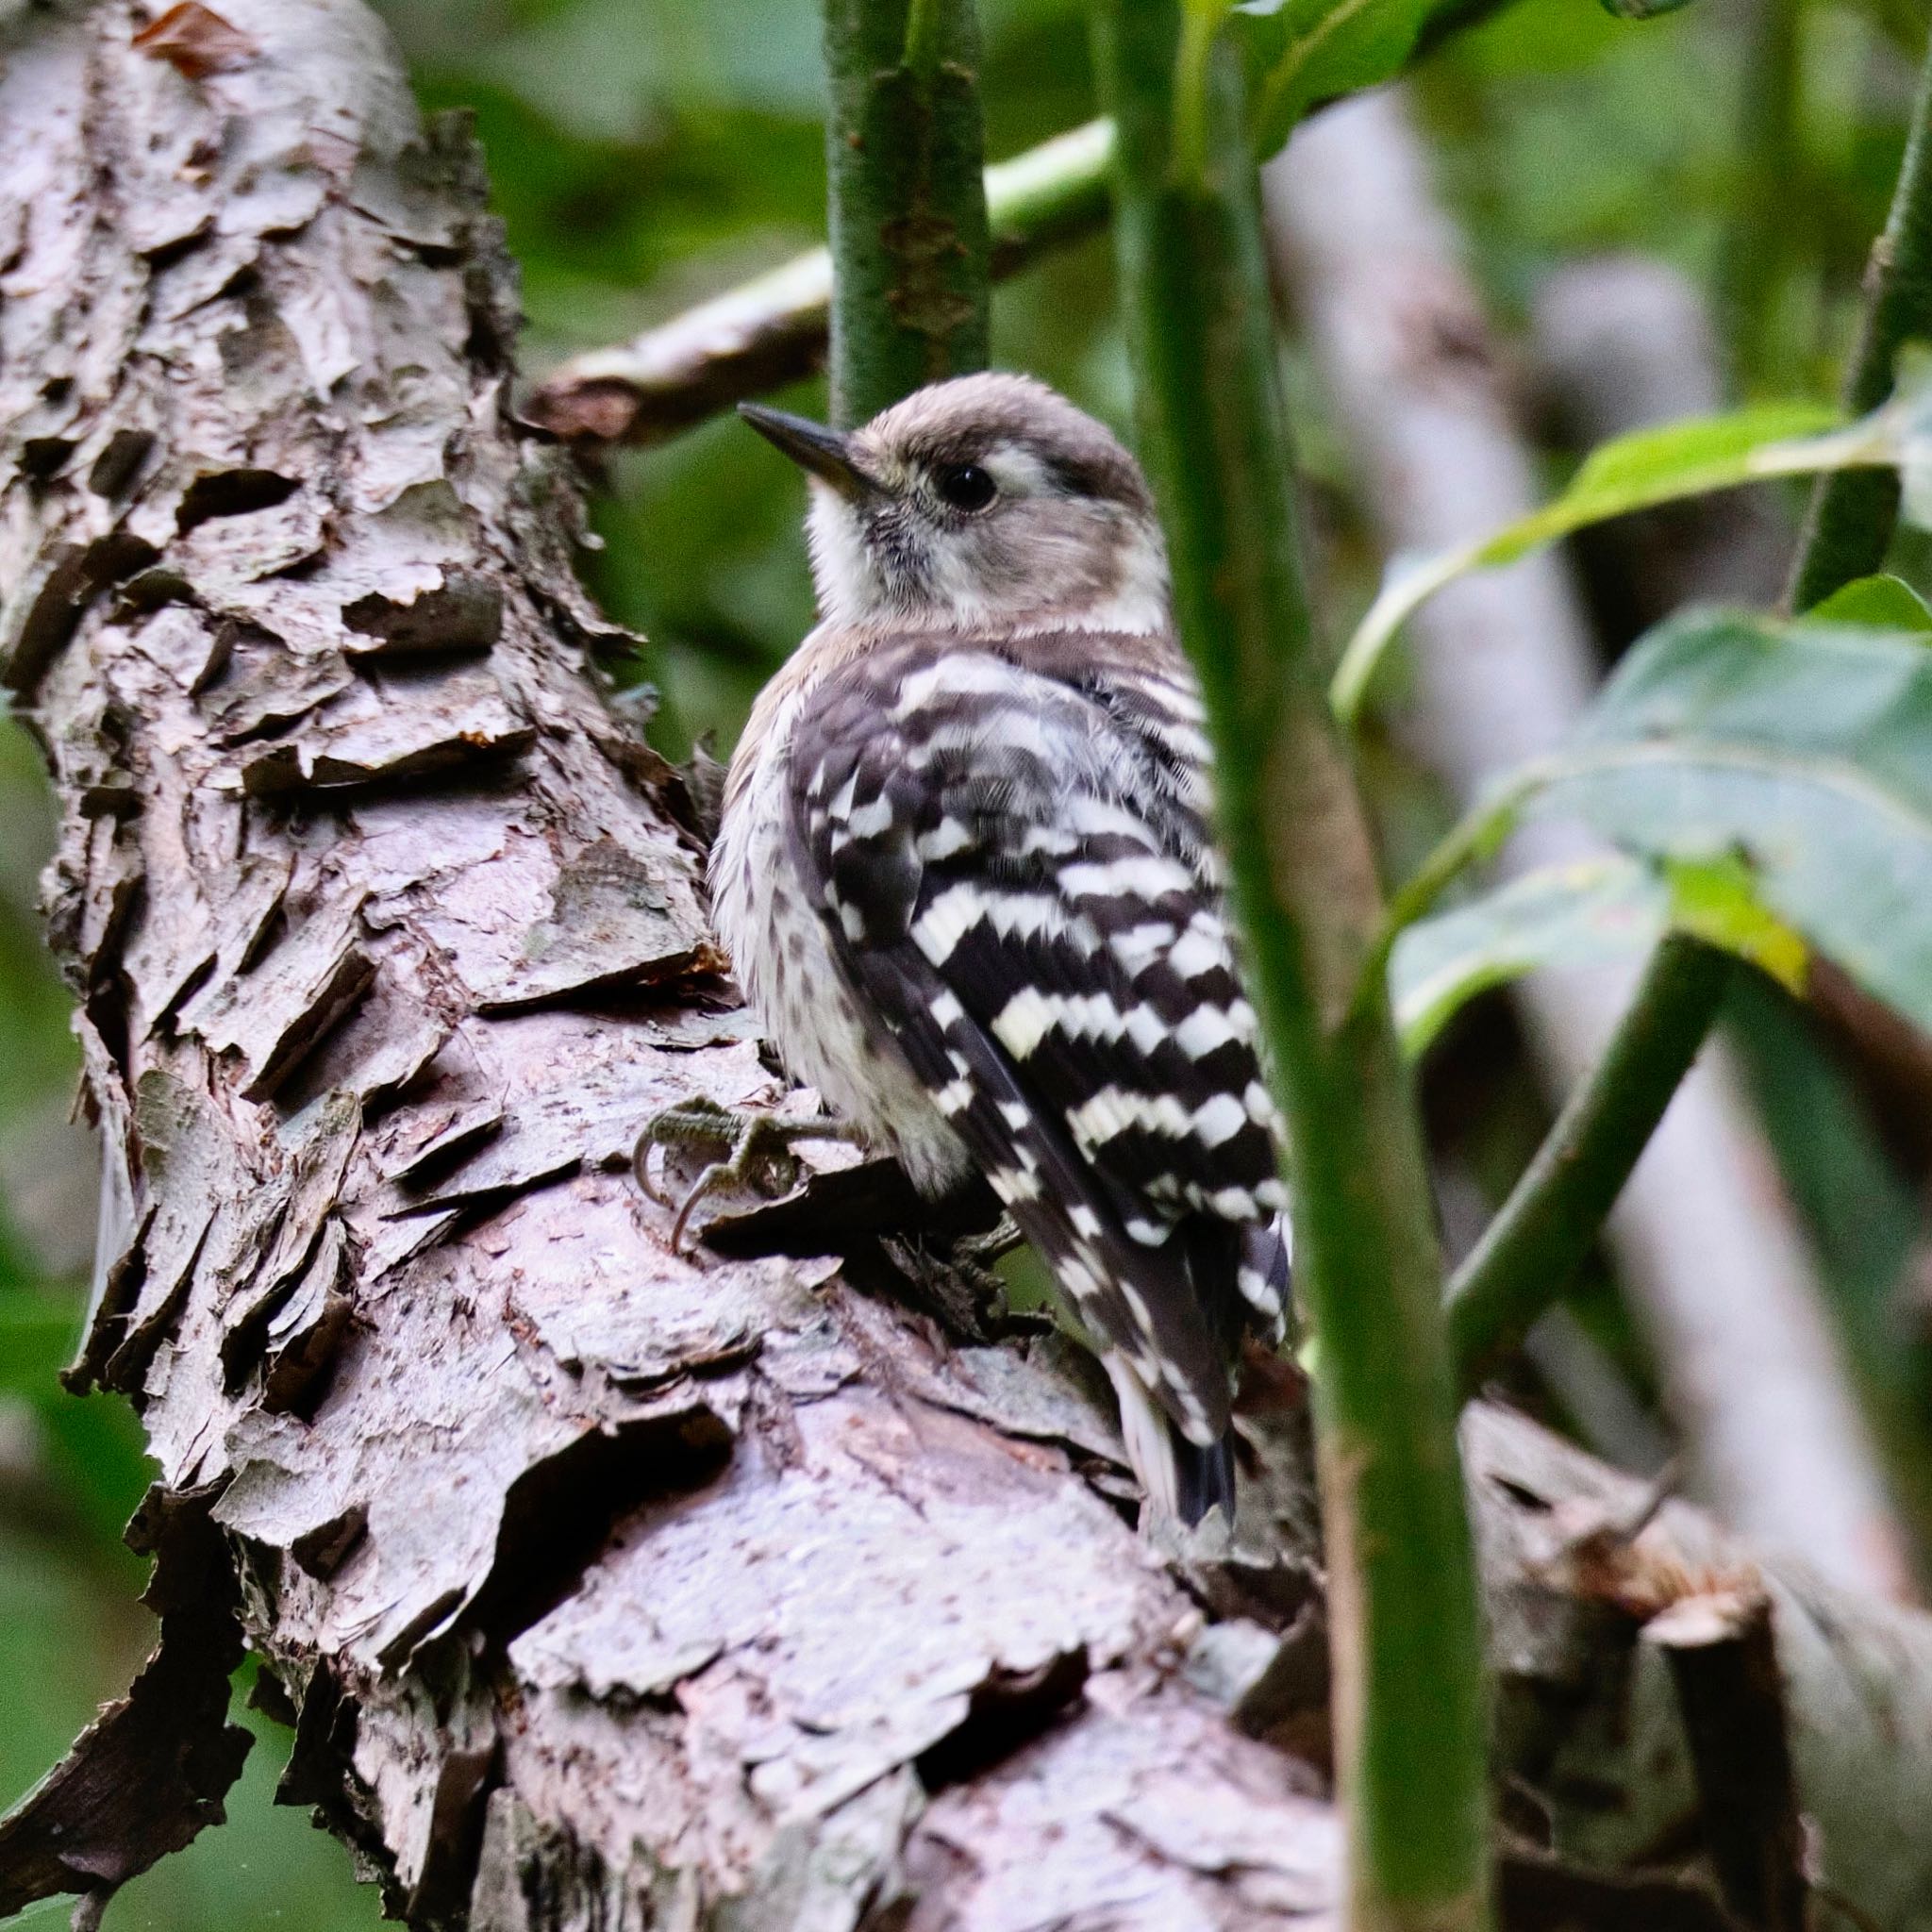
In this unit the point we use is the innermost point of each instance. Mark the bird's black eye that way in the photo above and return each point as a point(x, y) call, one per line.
point(965, 485)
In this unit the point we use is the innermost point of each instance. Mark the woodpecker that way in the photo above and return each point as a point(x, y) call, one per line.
point(967, 881)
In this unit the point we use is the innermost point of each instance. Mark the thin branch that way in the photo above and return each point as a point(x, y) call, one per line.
point(771, 331)
point(1409, 1691)
point(1724, 1664)
point(1542, 1234)
point(904, 161)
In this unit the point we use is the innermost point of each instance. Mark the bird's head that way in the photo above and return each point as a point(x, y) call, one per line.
point(986, 502)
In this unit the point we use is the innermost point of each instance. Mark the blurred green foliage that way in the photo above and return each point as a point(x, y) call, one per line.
point(643, 156)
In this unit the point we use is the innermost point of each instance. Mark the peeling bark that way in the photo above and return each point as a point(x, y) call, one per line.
point(603, 1582)
point(154, 1767)
point(603, 1586)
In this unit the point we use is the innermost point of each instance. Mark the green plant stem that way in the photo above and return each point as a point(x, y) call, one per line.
point(1853, 513)
point(1545, 1231)
point(1402, 1602)
point(904, 161)
point(1758, 245)
point(925, 35)
point(1850, 522)
point(771, 331)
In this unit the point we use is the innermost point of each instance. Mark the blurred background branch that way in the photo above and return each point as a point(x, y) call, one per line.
point(774, 328)
point(1503, 665)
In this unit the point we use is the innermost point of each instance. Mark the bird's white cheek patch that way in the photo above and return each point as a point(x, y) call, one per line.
point(842, 572)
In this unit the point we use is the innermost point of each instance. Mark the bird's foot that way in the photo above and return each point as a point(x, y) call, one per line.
point(983, 1250)
point(958, 1279)
point(749, 1150)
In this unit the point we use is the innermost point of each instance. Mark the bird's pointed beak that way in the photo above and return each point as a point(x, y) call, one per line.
point(826, 453)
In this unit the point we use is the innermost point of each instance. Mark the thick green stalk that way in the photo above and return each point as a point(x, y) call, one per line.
point(1543, 1232)
point(905, 158)
point(1852, 515)
point(1403, 1602)
point(1758, 246)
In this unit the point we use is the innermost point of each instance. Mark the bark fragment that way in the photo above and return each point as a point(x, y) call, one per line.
point(153, 1768)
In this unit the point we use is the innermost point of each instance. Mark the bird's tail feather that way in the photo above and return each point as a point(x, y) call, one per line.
point(1182, 1480)
point(1203, 1477)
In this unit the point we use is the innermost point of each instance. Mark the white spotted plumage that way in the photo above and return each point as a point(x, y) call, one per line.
point(965, 874)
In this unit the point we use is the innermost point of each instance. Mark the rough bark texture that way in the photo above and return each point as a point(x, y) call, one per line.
point(605, 1588)
point(595, 1575)
point(1590, 1587)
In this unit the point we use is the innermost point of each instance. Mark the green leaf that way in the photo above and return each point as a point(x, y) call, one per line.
point(1299, 52)
point(1717, 901)
point(1888, 602)
point(1590, 912)
point(1650, 467)
point(1665, 460)
point(1581, 914)
point(1787, 764)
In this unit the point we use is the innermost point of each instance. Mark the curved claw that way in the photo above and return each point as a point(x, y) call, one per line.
point(754, 1150)
point(697, 1122)
point(716, 1175)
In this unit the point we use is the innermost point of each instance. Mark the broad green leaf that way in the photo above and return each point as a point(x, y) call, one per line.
point(1587, 913)
point(1299, 52)
point(1661, 465)
point(1886, 601)
point(1569, 915)
point(1789, 763)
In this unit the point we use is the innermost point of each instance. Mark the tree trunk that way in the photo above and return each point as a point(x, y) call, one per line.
point(605, 1587)
point(594, 1574)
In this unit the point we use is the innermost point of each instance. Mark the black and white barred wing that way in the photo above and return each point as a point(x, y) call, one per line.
point(1014, 875)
